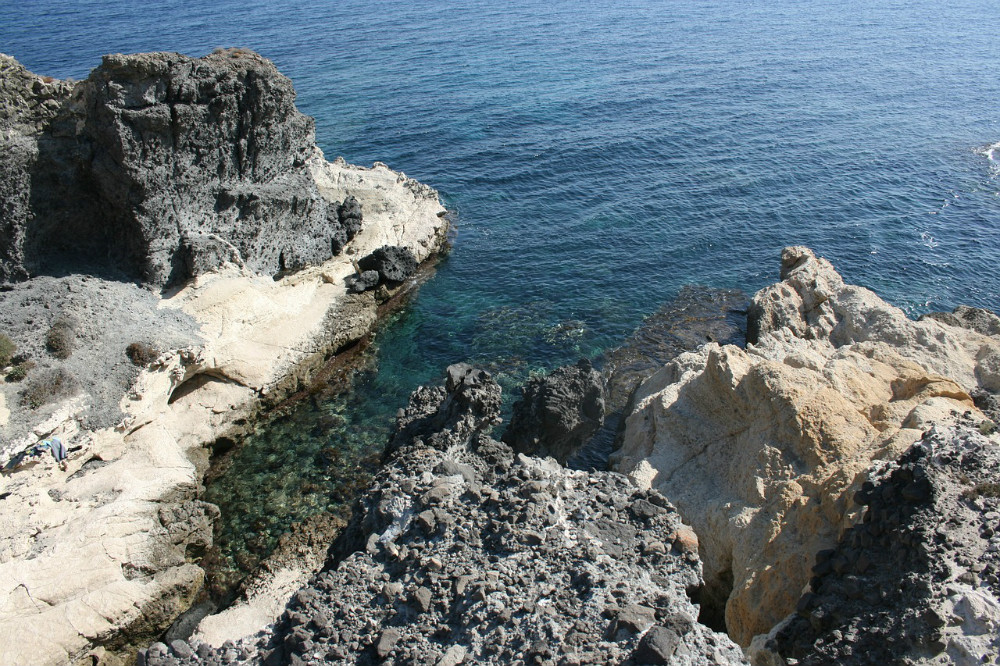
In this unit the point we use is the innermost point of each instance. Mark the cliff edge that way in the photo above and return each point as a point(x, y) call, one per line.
point(160, 166)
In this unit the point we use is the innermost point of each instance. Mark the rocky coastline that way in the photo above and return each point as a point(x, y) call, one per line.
point(457, 552)
point(826, 492)
point(161, 206)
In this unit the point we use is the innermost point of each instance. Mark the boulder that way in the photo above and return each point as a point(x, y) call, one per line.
point(557, 413)
point(361, 282)
point(348, 223)
point(761, 449)
point(393, 263)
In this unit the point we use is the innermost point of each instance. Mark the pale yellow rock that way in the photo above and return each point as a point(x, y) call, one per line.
point(255, 611)
point(761, 449)
point(85, 552)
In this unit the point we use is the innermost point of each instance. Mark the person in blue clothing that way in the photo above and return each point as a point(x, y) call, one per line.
point(55, 445)
point(58, 449)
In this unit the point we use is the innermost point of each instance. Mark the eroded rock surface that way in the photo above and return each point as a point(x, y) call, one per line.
point(161, 162)
point(761, 449)
point(463, 552)
point(917, 578)
point(557, 413)
point(169, 165)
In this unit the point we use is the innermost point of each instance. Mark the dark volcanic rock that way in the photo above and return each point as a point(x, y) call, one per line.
point(394, 264)
point(974, 319)
point(163, 164)
point(464, 552)
point(362, 282)
point(919, 577)
point(348, 223)
point(444, 417)
point(557, 413)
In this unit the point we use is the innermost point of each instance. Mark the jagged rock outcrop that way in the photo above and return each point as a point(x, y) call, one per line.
point(761, 449)
point(558, 412)
point(463, 552)
point(164, 165)
point(917, 579)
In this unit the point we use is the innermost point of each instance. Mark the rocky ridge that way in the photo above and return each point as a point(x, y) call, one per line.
point(762, 449)
point(464, 552)
point(107, 548)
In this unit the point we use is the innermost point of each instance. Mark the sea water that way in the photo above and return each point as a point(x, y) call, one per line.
point(598, 156)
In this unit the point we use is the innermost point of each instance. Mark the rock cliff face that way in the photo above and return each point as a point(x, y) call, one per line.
point(761, 449)
point(162, 165)
point(463, 552)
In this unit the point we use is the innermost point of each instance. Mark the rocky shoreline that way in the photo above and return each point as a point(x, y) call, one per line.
point(464, 550)
point(103, 554)
point(458, 551)
point(827, 493)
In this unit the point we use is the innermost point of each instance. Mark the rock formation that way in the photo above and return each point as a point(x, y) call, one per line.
point(163, 164)
point(917, 578)
point(463, 552)
point(761, 449)
point(557, 413)
point(176, 167)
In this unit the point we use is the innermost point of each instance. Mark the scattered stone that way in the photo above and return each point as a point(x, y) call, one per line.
point(387, 642)
point(660, 643)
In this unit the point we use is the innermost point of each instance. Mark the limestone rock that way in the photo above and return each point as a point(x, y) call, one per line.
point(761, 449)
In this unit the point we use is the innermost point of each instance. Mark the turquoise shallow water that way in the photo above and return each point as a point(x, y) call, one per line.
point(600, 156)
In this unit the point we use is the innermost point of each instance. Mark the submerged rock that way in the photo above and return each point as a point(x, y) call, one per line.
point(762, 449)
point(464, 552)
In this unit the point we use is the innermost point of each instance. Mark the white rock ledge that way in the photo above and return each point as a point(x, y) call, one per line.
point(100, 548)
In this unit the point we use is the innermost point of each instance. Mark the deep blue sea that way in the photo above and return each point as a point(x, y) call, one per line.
point(599, 156)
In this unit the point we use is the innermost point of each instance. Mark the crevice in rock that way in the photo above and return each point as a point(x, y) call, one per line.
point(189, 386)
point(711, 598)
